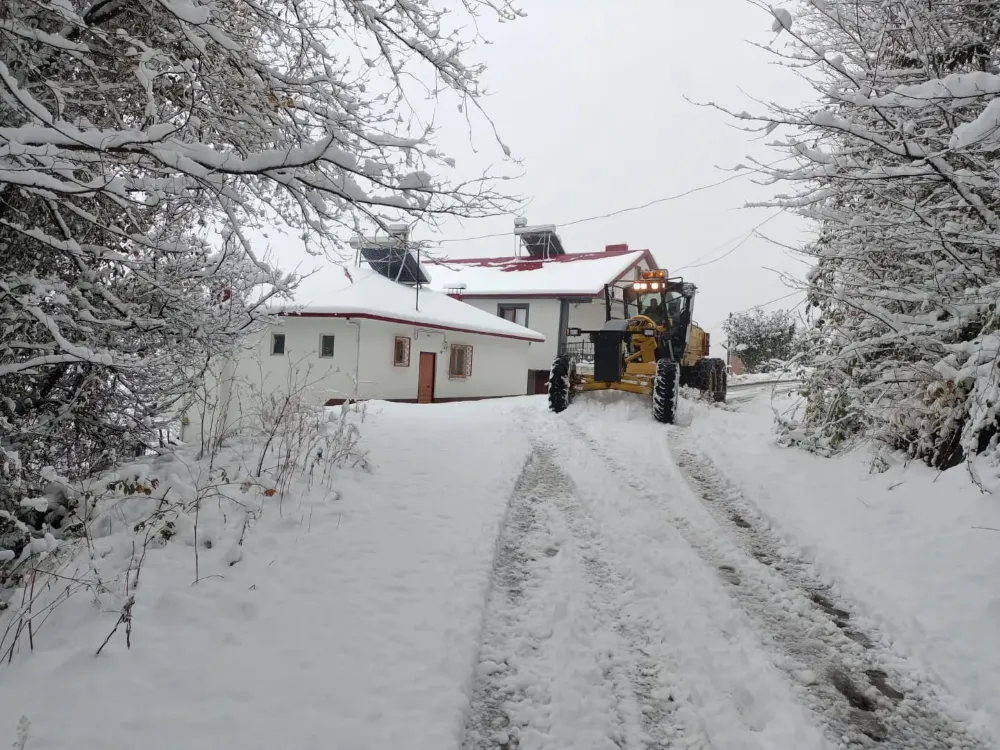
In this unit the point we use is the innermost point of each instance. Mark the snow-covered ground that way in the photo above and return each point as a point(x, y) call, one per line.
point(502, 576)
point(916, 549)
point(352, 619)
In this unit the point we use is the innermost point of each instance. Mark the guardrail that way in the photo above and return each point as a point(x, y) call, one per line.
point(737, 386)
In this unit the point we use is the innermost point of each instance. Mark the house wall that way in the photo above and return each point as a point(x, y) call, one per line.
point(543, 316)
point(301, 365)
point(499, 365)
point(359, 368)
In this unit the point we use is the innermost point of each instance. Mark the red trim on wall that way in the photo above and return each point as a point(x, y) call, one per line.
point(401, 321)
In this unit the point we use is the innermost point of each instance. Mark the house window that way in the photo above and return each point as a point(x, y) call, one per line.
point(514, 313)
point(460, 362)
point(326, 345)
point(401, 351)
point(277, 343)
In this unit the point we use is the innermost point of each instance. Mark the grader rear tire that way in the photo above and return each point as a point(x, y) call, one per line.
point(666, 390)
point(708, 376)
point(561, 378)
point(699, 375)
point(720, 381)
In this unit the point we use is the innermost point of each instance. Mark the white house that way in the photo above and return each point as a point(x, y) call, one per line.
point(354, 334)
point(548, 291)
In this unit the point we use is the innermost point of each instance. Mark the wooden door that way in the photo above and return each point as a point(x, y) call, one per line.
point(539, 382)
point(425, 378)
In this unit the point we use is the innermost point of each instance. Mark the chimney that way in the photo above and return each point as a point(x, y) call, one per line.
point(622, 248)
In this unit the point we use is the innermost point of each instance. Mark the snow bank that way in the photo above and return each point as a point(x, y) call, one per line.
point(350, 615)
point(917, 548)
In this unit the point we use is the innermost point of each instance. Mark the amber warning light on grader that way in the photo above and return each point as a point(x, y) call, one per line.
point(650, 281)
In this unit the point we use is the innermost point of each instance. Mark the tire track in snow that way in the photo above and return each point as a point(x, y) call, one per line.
point(838, 667)
point(639, 678)
point(495, 688)
point(911, 711)
point(545, 532)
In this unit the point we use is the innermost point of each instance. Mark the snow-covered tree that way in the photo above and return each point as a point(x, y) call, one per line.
point(759, 336)
point(141, 146)
point(896, 162)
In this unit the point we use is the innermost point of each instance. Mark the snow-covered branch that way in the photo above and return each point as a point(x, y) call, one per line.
point(143, 143)
point(896, 162)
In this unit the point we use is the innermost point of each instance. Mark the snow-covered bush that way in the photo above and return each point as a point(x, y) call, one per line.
point(205, 503)
point(142, 144)
point(896, 163)
point(761, 338)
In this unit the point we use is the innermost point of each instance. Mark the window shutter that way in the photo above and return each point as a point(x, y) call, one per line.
point(468, 362)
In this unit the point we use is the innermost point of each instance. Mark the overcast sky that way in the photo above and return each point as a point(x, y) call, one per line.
point(590, 94)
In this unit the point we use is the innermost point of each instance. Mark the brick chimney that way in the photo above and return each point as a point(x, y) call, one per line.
point(622, 248)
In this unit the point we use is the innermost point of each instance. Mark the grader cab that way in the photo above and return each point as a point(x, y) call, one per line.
point(652, 350)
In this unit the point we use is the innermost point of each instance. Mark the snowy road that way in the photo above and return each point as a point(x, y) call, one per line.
point(638, 603)
point(592, 580)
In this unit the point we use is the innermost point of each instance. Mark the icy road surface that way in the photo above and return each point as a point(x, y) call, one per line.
point(636, 603)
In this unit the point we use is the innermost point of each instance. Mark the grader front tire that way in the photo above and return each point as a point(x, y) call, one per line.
point(561, 378)
point(666, 391)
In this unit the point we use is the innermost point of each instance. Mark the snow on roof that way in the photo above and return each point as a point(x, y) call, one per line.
point(574, 274)
point(341, 292)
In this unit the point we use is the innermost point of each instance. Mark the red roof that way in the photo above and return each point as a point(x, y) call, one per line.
point(585, 274)
point(529, 264)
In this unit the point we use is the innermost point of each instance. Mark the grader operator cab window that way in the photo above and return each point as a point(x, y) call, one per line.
point(652, 298)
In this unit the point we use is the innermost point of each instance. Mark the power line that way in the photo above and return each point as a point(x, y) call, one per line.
point(746, 237)
point(755, 307)
point(628, 209)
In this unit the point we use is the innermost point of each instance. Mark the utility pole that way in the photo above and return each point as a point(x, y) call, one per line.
point(729, 351)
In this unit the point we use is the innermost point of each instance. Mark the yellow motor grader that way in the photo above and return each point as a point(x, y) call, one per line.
point(651, 351)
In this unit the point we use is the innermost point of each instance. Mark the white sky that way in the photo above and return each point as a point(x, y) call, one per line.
point(589, 94)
